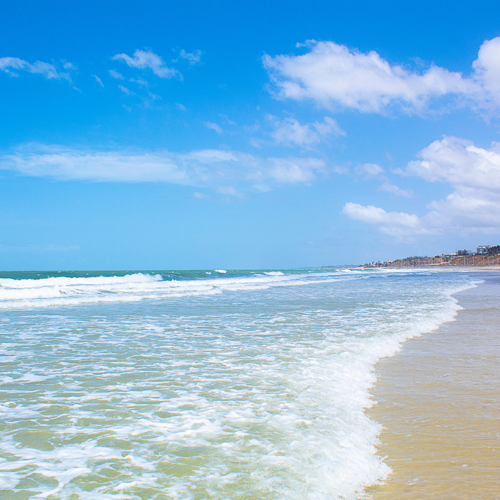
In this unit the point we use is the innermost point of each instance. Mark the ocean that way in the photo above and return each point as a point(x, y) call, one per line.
point(202, 384)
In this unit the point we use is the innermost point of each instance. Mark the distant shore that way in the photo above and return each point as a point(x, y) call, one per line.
point(439, 405)
point(468, 268)
point(462, 259)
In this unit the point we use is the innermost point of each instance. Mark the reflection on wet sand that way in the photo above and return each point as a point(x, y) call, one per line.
point(439, 402)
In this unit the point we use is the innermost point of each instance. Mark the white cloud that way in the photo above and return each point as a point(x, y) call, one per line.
point(460, 163)
point(153, 97)
point(140, 81)
point(290, 132)
point(180, 106)
point(67, 164)
point(230, 191)
point(395, 223)
point(487, 67)
point(213, 126)
point(334, 75)
point(146, 59)
point(329, 127)
point(98, 80)
point(213, 156)
point(12, 64)
point(341, 169)
point(296, 170)
point(126, 90)
point(116, 75)
point(192, 57)
point(474, 205)
point(227, 119)
point(473, 173)
point(228, 172)
point(466, 210)
point(396, 191)
point(369, 170)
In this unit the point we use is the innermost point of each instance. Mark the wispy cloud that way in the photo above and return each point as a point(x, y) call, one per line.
point(116, 75)
point(334, 75)
point(192, 57)
point(296, 170)
point(230, 191)
point(212, 168)
point(144, 59)
point(369, 171)
point(12, 65)
point(213, 126)
point(140, 81)
point(396, 191)
point(226, 119)
point(290, 132)
point(98, 80)
point(126, 90)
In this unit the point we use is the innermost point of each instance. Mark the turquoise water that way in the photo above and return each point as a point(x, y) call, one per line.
point(201, 384)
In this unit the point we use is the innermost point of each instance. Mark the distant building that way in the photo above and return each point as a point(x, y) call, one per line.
point(483, 250)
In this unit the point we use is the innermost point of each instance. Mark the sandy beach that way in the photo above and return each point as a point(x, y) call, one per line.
point(439, 402)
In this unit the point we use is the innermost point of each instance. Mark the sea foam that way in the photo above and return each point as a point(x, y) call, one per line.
point(216, 387)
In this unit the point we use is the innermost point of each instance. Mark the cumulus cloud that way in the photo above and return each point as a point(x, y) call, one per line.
point(460, 163)
point(11, 65)
point(395, 223)
point(290, 132)
point(145, 59)
point(217, 169)
point(473, 172)
point(474, 205)
point(487, 68)
point(333, 75)
point(213, 126)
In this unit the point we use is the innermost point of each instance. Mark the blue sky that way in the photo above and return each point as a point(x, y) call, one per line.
point(188, 135)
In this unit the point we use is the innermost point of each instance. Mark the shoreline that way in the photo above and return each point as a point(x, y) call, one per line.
point(437, 400)
point(467, 268)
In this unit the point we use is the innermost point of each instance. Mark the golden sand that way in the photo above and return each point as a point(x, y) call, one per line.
point(439, 402)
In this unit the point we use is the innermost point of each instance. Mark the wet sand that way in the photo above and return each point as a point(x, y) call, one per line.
point(439, 403)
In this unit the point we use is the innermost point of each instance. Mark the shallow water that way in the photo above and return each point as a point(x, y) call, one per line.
point(439, 402)
point(194, 385)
